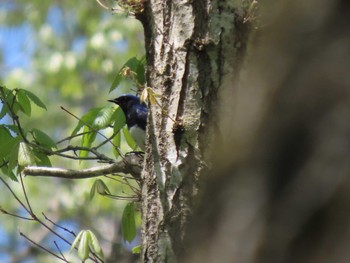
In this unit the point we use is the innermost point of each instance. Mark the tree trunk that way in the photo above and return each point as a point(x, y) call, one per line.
point(194, 54)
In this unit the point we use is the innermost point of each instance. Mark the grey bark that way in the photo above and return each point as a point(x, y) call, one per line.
point(193, 48)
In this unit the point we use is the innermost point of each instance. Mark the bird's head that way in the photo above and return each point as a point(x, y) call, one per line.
point(126, 101)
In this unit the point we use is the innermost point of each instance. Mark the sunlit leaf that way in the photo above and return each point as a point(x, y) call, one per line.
point(87, 140)
point(83, 248)
point(119, 119)
point(103, 118)
point(25, 155)
point(128, 223)
point(144, 95)
point(136, 250)
point(76, 240)
point(87, 119)
point(95, 245)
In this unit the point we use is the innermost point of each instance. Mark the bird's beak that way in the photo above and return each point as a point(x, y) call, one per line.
point(114, 101)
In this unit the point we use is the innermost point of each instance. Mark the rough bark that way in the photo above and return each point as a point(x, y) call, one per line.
point(192, 47)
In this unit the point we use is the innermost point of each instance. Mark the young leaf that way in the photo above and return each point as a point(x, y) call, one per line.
point(119, 119)
point(76, 240)
point(130, 141)
point(83, 248)
point(144, 95)
point(87, 140)
point(87, 119)
point(136, 250)
point(132, 64)
point(35, 99)
point(24, 102)
point(43, 139)
point(103, 118)
point(25, 155)
point(95, 245)
point(101, 187)
point(128, 223)
point(93, 190)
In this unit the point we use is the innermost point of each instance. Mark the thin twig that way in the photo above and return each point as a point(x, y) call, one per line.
point(59, 249)
point(26, 197)
point(43, 248)
point(14, 195)
point(57, 225)
point(93, 129)
point(15, 215)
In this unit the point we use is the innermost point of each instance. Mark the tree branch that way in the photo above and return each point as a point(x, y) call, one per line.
point(132, 164)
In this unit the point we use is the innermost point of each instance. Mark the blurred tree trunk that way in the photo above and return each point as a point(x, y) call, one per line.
point(194, 54)
point(285, 196)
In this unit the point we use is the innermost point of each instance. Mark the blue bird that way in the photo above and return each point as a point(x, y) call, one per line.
point(135, 115)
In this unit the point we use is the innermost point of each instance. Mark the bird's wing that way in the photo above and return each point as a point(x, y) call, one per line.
point(137, 114)
point(141, 116)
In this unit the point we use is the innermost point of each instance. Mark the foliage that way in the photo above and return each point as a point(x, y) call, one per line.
point(70, 51)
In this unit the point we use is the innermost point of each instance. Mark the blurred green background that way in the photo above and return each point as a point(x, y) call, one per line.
point(67, 53)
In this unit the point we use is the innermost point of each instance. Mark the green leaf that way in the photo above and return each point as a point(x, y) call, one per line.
point(87, 119)
point(128, 138)
point(87, 140)
point(25, 155)
point(101, 187)
point(132, 63)
point(136, 250)
point(4, 111)
point(24, 102)
point(13, 104)
point(103, 118)
point(13, 157)
point(95, 245)
point(41, 158)
point(140, 71)
point(128, 223)
point(76, 240)
point(83, 248)
point(7, 142)
point(43, 139)
point(5, 169)
point(93, 190)
point(35, 99)
point(119, 119)
point(116, 143)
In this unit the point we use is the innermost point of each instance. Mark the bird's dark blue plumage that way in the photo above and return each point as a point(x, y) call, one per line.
point(136, 116)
